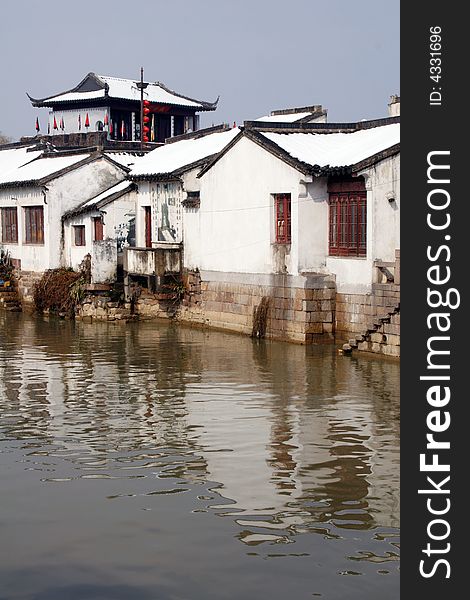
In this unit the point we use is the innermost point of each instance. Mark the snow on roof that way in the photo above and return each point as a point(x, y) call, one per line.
point(72, 96)
point(13, 158)
point(127, 89)
point(40, 168)
point(127, 159)
point(170, 157)
point(288, 118)
point(119, 187)
point(337, 149)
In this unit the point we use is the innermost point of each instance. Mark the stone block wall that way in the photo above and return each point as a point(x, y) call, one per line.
point(356, 312)
point(102, 308)
point(386, 340)
point(299, 309)
point(25, 285)
point(302, 309)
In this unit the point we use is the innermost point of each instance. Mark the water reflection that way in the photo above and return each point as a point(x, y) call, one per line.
point(289, 446)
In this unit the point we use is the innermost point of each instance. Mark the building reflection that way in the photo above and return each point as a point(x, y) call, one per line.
point(290, 437)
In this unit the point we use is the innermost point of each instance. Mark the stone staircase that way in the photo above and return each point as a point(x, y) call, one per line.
point(382, 335)
point(9, 299)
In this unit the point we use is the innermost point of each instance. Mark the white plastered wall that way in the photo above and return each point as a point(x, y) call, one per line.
point(56, 197)
point(233, 230)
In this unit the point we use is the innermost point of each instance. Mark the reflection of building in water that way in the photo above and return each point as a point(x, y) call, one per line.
point(302, 435)
point(296, 434)
point(96, 387)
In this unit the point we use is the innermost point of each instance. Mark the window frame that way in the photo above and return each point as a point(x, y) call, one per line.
point(10, 228)
point(282, 218)
point(33, 227)
point(82, 235)
point(98, 229)
point(347, 221)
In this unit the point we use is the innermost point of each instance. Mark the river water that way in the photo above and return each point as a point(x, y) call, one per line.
point(153, 462)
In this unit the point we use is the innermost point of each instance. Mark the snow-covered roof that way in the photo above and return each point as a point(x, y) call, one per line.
point(289, 118)
point(40, 168)
point(336, 149)
point(320, 149)
point(155, 92)
point(74, 96)
point(95, 87)
point(177, 155)
point(126, 159)
point(13, 158)
point(123, 186)
point(99, 201)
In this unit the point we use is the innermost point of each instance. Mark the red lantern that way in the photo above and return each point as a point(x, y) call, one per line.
point(146, 103)
point(146, 130)
point(87, 121)
point(37, 125)
point(146, 119)
point(106, 120)
point(146, 138)
point(55, 123)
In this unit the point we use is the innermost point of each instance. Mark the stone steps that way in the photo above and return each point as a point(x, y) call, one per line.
point(9, 299)
point(372, 328)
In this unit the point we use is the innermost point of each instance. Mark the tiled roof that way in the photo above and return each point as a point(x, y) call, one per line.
point(177, 155)
point(39, 169)
point(95, 87)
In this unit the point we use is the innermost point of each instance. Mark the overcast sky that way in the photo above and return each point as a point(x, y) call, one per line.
point(258, 55)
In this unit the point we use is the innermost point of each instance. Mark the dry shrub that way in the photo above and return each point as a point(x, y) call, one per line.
point(57, 291)
point(260, 318)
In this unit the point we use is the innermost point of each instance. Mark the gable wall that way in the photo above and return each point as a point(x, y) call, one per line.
point(71, 190)
point(234, 231)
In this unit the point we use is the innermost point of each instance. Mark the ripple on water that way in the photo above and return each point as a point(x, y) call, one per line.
point(212, 443)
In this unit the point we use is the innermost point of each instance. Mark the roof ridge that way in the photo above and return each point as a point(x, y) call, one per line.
point(104, 81)
point(199, 133)
point(336, 127)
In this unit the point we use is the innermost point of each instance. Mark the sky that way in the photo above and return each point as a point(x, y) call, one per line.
point(258, 55)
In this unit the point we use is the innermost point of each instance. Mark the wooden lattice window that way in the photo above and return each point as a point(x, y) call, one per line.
point(79, 235)
point(348, 218)
point(10, 225)
point(34, 225)
point(282, 207)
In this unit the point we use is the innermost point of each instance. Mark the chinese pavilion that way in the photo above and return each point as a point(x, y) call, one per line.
point(112, 105)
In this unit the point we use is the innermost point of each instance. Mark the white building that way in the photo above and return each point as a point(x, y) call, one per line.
point(298, 221)
point(164, 178)
point(101, 227)
point(34, 196)
point(299, 202)
point(300, 214)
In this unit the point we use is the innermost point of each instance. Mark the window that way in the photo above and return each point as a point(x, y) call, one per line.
point(98, 229)
point(282, 216)
point(34, 225)
point(348, 218)
point(79, 235)
point(9, 225)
